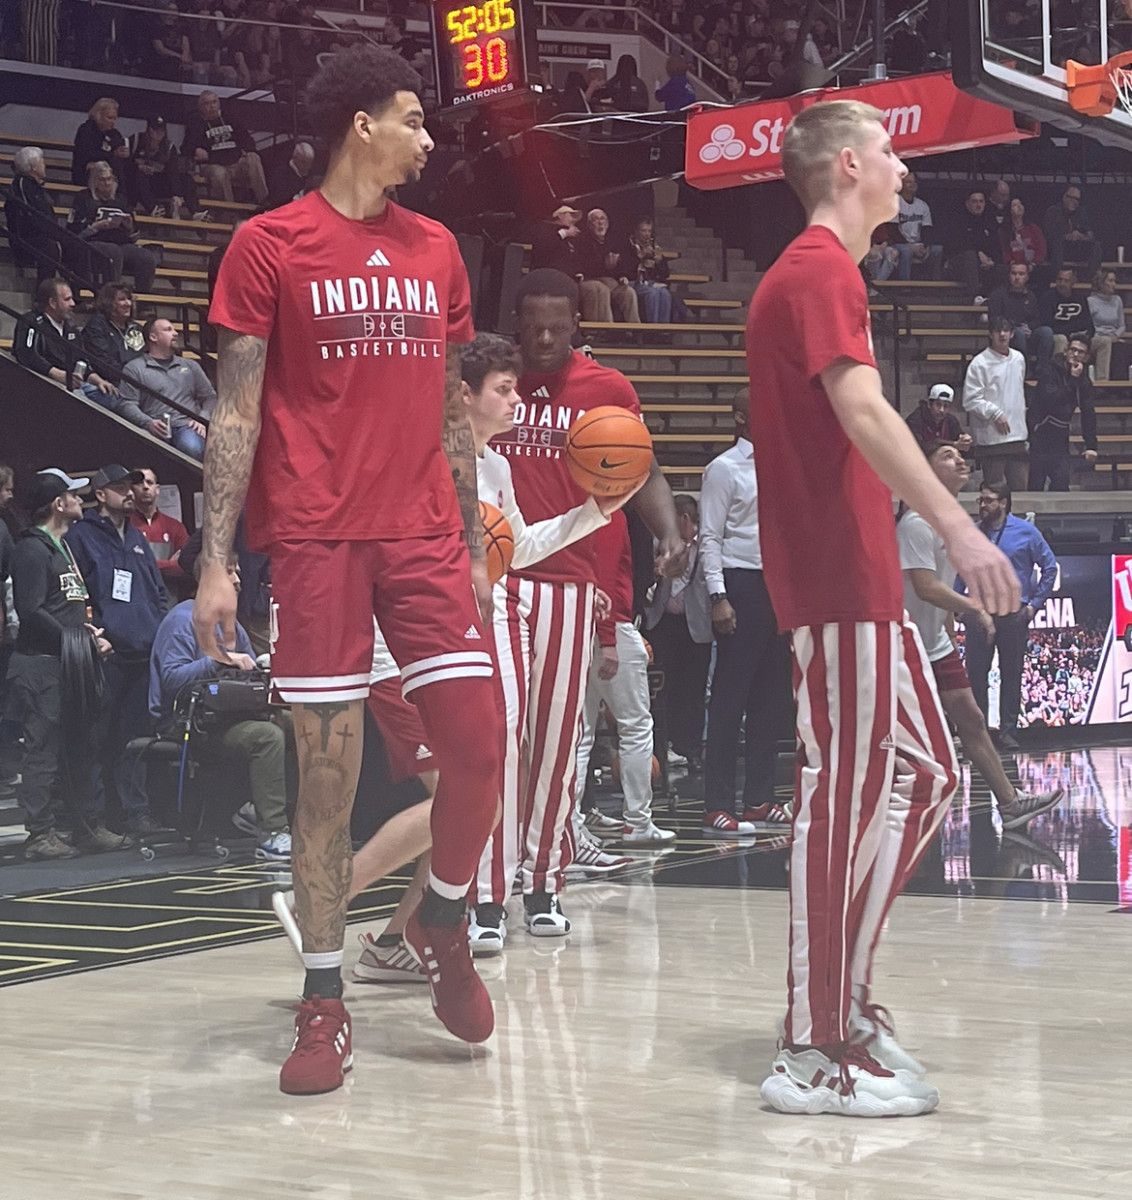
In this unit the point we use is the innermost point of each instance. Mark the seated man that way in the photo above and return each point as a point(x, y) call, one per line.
point(30, 215)
point(294, 178)
point(1069, 233)
point(162, 374)
point(933, 420)
point(918, 248)
point(46, 342)
point(222, 149)
point(176, 660)
point(1018, 305)
point(1065, 310)
point(973, 254)
point(599, 261)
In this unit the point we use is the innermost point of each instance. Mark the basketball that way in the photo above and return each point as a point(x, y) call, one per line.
point(608, 451)
point(498, 541)
point(615, 767)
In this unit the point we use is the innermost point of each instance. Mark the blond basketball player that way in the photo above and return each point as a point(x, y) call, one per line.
point(877, 762)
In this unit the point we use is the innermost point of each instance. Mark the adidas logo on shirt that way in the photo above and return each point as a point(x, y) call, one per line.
point(542, 393)
point(472, 634)
point(423, 752)
point(377, 259)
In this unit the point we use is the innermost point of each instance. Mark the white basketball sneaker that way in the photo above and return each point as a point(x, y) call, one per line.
point(871, 1026)
point(810, 1083)
point(487, 929)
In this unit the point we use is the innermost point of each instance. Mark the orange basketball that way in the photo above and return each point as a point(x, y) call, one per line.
point(608, 451)
point(615, 767)
point(498, 541)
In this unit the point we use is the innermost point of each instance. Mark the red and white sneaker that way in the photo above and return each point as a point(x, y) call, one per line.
point(871, 1026)
point(770, 816)
point(459, 997)
point(323, 1050)
point(720, 824)
point(387, 964)
point(854, 1085)
point(590, 861)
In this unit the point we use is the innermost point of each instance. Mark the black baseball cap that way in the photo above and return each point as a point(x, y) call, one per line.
point(156, 121)
point(114, 474)
point(48, 486)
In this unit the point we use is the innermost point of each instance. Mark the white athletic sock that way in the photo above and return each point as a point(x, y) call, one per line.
point(450, 891)
point(323, 962)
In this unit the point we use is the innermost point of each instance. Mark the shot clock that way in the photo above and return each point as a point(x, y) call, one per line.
point(479, 50)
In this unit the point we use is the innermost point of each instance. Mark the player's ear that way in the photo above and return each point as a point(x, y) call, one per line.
point(363, 125)
point(465, 392)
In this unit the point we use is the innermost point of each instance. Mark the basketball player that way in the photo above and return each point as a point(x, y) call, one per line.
point(544, 637)
point(877, 765)
point(340, 316)
point(930, 599)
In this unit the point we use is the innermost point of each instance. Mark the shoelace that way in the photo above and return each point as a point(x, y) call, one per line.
point(879, 1015)
point(857, 1056)
point(315, 1028)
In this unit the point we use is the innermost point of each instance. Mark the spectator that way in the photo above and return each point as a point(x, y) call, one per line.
point(253, 606)
point(169, 54)
point(658, 303)
point(96, 140)
point(158, 183)
point(595, 94)
point(100, 218)
point(48, 343)
point(998, 210)
point(752, 664)
point(257, 744)
point(626, 91)
point(111, 338)
point(619, 680)
point(1106, 307)
point(678, 92)
point(599, 262)
point(128, 601)
point(223, 150)
point(914, 218)
point(1064, 310)
point(1024, 242)
point(678, 624)
point(1018, 305)
point(1036, 568)
point(1062, 388)
point(994, 394)
point(165, 535)
point(204, 45)
point(973, 252)
point(293, 179)
point(30, 236)
point(1069, 234)
point(51, 601)
point(881, 261)
point(575, 94)
point(934, 422)
point(160, 375)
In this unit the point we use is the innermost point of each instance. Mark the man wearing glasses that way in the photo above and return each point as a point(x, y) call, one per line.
point(1063, 387)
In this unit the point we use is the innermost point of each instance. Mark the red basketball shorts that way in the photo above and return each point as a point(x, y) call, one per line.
point(950, 673)
point(326, 594)
point(406, 742)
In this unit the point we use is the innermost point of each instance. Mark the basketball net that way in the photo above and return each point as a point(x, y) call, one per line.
point(1096, 90)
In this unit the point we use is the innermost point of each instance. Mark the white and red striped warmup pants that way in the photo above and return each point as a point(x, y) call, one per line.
point(544, 643)
point(875, 774)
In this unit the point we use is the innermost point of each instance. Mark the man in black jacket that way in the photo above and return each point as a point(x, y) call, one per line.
point(1065, 310)
point(1063, 387)
point(223, 151)
point(127, 597)
point(973, 253)
point(46, 342)
point(1020, 307)
point(30, 215)
point(51, 601)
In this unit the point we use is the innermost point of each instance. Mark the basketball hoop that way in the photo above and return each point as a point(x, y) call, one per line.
point(1095, 91)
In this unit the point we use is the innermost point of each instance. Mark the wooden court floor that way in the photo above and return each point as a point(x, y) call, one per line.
point(625, 1064)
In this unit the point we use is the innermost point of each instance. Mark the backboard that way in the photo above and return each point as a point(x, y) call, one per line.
point(1015, 53)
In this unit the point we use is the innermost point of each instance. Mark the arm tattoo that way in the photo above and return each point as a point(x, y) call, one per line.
point(233, 434)
point(460, 450)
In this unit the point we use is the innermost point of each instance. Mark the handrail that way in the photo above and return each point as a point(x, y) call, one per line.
point(667, 41)
point(71, 353)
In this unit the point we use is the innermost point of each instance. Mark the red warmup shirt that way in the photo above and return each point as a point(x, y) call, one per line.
point(165, 535)
point(825, 518)
point(543, 487)
point(357, 316)
point(614, 554)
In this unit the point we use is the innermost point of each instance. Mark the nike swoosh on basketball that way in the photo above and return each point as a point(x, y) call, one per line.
point(606, 465)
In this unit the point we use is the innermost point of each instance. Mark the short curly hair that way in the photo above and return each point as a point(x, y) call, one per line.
point(364, 78)
point(489, 352)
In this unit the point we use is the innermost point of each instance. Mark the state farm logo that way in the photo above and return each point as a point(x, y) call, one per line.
point(723, 144)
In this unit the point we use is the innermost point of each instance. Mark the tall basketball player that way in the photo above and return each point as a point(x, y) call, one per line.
point(544, 637)
point(877, 764)
point(339, 416)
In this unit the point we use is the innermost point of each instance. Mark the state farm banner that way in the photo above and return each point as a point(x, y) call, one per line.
point(926, 114)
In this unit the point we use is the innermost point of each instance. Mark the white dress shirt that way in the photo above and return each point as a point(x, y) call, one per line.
point(729, 515)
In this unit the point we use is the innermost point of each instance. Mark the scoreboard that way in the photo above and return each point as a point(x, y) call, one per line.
point(478, 50)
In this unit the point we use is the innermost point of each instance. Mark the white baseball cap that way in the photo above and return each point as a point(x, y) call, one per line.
point(942, 391)
point(595, 64)
point(73, 485)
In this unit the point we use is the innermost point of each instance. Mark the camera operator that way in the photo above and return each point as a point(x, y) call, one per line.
point(175, 663)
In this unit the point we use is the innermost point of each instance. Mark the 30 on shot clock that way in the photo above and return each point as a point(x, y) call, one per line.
point(479, 50)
